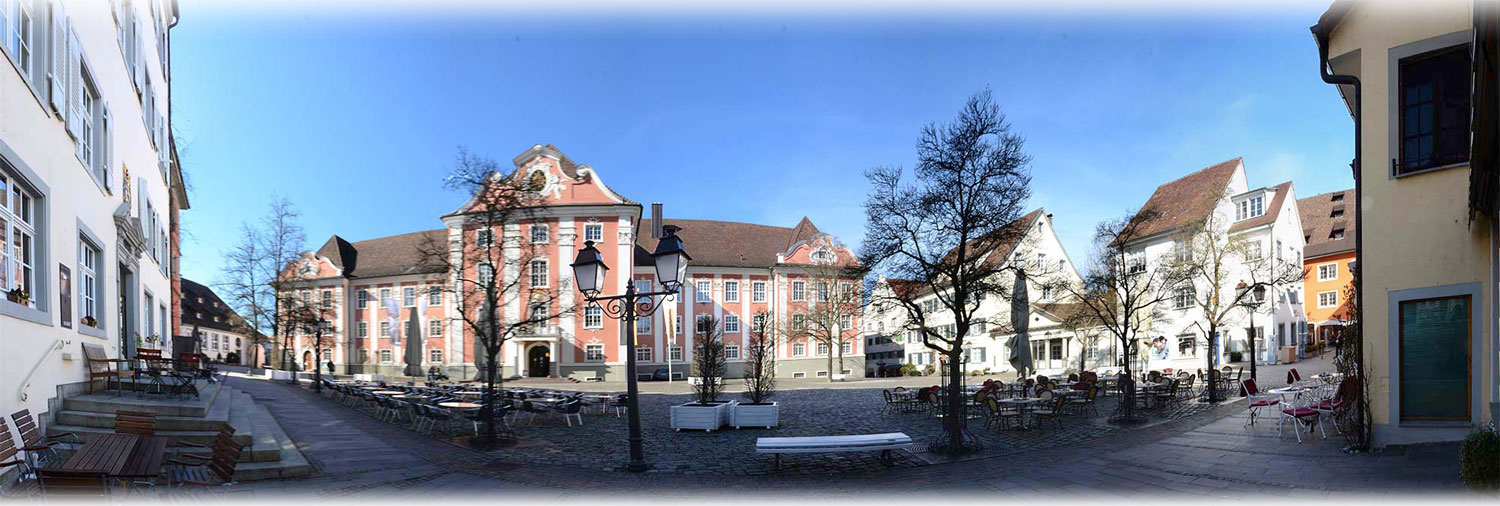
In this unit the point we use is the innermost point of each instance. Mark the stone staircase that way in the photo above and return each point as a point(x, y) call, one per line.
point(268, 454)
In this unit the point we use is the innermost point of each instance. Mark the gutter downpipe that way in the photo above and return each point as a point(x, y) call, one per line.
point(1320, 34)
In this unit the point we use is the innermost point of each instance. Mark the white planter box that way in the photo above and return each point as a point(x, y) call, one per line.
point(749, 415)
point(701, 417)
point(277, 374)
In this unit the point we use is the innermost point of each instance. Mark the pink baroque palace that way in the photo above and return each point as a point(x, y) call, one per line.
point(738, 271)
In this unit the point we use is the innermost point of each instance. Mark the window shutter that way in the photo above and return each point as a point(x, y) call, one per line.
point(57, 76)
point(164, 146)
point(75, 83)
point(118, 6)
point(108, 146)
point(6, 6)
point(138, 70)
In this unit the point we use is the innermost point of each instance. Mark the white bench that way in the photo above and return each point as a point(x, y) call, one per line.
point(884, 443)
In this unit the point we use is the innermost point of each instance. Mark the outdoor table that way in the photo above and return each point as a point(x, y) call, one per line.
point(371, 388)
point(469, 392)
point(120, 456)
point(389, 392)
point(1022, 403)
point(1285, 391)
point(458, 405)
point(412, 397)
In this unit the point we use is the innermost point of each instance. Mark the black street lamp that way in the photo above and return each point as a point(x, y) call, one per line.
point(318, 330)
point(589, 271)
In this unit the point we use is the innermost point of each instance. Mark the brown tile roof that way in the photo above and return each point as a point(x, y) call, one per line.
point(726, 243)
point(211, 306)
point(904, 288)
point(1189, 198)
point(1282, 190)
point(1076, 312)
point(1002, 241)
point(385, 256)
point(1318, 222)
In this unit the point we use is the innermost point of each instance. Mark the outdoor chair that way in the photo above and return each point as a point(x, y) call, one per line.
point(137, 425)
point(1302, 414)
point(530, 409)
point(620, 403)
point(1185, 386)
point(9, 451)
point(1085, 401)
point(103, 367)
point(1052, 410)
point(40, 448)
point(890, 402)
point(1001, 416)
point(1073, 378)
point(570, 410)
point(1292, 377)
point(73, 484)
point(216, 471)
point(1257, 401)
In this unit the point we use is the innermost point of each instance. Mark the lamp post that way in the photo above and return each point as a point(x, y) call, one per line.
point(318, 330)
point(589, 271)
point(1252, 306)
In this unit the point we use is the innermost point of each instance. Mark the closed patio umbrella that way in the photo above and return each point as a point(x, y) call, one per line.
point(1020, 319)
point(414, 342)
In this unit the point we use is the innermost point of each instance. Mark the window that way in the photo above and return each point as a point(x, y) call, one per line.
point(593, 232)
point(17, 237)
point(362, 329)
point(408, 296)
point(732, 352)
point(1182, 297)
point(385, 293)
point(822, 291)
point(593, 317)
point(643, 325)
point(539, 234)
point(1328, 272)
point(846, 322)
point(1336, 213)
point(799, 291)
point(435, 356)
point(643, 354)
point(758, 321)
point(1328, 299)
point(799, 375)
point(20, 33)
point(731, 323)
point(1252, 207)
point(703, 324)
point(1135, 263)
point(846, 348)
point(434, 295)
point(846, 292)
point(385, 356)
point(1336, 234)
point(385, 329)
point(930, 306)
point(1041, 261)
point(675, 353)
point(731, 291)
point(1187, 345)
point(799, 322)
point(702, 292)
point(1253, 250)
point(1434, 110)
point(538, 272)
point(1435, 382)
point(758, 291)
point(90, 134)
point(435, 328)
point(677, 326)
point(822, 349)
point(1049, 292)
point(593, 352)
point(484, 238)
point(325, 299)
point(362, 298)
point(799, 349)
point(485, 275)
point(89, 285)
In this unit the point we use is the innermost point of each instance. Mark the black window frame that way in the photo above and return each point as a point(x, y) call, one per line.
point(1460, 133)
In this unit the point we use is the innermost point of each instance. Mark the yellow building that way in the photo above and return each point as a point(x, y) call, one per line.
point(1419, 81)
point(1328, 229)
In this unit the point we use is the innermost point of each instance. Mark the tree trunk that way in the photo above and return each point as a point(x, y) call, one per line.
point(954, 422)
point(1213, 392)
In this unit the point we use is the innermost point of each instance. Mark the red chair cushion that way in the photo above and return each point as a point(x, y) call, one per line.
point(1263, 402)
point(1300, 412)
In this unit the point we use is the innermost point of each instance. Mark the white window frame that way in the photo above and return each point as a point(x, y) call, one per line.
point(484, 275)
point(362, 329)
point(1334, 294)
point(484, 238)
point(731, 324)
point(593, 317)
point(434, 355)
point(732, 352)
point(799, 349)
point(385, 356)
point(847, 348)
point(538, 276)
point(799, 291)
point(385, 329)
point(1181, 300)
point(362, 298)
point(822, 291)
point(701, 324)
point(703, 291)
point(593, 232)
point(731, 291)
point(644, 354)
point(17, 205)
point(1250, 208)
point(675, 353)
point(408, 296)
point(325, 299)
point(757, 291)
point(435, 328)
point(643, 326)
point(593, 352)
point(1333, 267)
point(544, 230)
point(434, 295)
point(823, 349)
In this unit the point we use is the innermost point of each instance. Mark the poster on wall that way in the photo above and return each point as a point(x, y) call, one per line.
point(65, 295)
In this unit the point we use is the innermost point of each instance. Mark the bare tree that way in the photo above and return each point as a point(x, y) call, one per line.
point(760, 359)
point(486, 275)
point(255, 281)
point(1225, 272)
point(830, 314)
point(303, 318)
point(971, 181)
point(1352, 412)
point(709, 363)
point(1123, 291)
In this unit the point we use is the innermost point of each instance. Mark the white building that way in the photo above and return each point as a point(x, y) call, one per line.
point(1054, 347)
point(1267, 220)
point(220, 332)
point(89, 190)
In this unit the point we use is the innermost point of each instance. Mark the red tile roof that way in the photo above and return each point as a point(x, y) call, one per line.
point(1318, 223)
point(1282, 190)
point(385, 256)
point(729, 243)
point(1186, 199)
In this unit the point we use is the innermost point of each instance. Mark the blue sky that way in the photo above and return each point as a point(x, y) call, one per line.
point(763, 119)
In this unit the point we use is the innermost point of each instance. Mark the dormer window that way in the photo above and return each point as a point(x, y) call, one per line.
point(1336, 234)
point(1253, 207)
point(1337, 213)
point(1337, 197)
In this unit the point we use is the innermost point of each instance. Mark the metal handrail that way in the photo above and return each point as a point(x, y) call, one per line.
point(26, 384)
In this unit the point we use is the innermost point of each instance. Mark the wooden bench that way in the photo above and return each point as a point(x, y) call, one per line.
point(884, 443)
point(101, 366)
